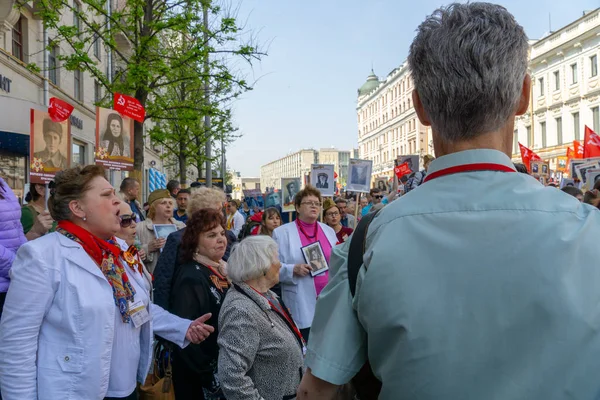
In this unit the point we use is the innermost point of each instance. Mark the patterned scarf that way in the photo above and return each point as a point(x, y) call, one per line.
point(106, 255)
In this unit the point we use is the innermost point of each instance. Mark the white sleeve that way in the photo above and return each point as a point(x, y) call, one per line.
point(30, 294)
point(286, 273)
point(169, 326)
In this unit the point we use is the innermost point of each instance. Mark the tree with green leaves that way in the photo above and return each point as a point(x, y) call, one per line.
point(136, 32)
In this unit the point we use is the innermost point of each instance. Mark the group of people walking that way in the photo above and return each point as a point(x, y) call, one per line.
point(478, 283)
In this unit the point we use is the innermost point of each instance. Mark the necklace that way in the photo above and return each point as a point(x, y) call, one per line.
point(314, 235)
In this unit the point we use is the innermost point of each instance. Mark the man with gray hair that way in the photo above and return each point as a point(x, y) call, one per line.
point(482, 305)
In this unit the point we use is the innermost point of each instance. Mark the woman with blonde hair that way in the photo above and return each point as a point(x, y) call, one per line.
point(160, 212)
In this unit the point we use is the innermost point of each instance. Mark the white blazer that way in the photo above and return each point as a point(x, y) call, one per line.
point(298, 293)
point(57, 326)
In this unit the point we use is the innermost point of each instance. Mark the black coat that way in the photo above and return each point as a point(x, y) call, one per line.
point(197, 290)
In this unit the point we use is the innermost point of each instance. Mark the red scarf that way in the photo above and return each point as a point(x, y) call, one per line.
point(106, 255)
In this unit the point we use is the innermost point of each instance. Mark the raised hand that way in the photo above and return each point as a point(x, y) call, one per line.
point(198, 330)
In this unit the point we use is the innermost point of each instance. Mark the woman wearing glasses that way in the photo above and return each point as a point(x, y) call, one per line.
point(333, 218)
point(299, 288)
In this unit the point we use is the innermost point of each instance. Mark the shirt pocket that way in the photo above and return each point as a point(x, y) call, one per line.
point(68, 359)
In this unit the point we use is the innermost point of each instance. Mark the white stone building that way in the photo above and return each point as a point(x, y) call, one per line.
point(21, 43)
point(565, 90)
point(387, 122)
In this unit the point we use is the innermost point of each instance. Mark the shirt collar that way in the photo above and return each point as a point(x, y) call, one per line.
point(470, 157)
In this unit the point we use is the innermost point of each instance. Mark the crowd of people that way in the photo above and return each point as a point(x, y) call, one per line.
point(473, 281)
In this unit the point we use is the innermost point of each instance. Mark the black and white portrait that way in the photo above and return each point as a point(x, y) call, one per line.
point(162, 231)
point(583, 168)
point(382, 185)
point(322, 177)
point(114, 139)
point(411, 160)
point(359, 172)
point(314, 256)
point(592, 177)
point(545, 169)
point(290, 187)
point(535, 167)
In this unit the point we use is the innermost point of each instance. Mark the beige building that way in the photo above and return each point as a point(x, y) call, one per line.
point(565, 90)
point(21, 43)
point(387, 123)
point(240, 183)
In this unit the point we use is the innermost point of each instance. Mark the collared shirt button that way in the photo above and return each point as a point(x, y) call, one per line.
point(67, 358)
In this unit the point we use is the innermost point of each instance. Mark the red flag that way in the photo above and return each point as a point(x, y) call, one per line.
point(335, 175)
point(59, 110)
point(129, 107)
point(591, 147)
point(527, 155)
point(402, 169)
point(578, 152)
point(570, 153)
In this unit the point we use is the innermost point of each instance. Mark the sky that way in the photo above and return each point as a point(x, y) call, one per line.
point(321, 51)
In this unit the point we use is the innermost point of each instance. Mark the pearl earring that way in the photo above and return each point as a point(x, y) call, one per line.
point(84, 218)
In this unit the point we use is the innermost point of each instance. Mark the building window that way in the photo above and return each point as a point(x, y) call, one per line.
point(97, 47)
point(515, 141)
point(78, 87)
point(529, 139)
point(573, 73)
point(76, 13)
point(17, 39)
point(543, 132)
point(556, 80)
point(593, 65)
point(78, 157)
point(576, 125)
point(596, 118)
point(559, 133)
point(97, 92)
point(53, 65)
point(541, 82)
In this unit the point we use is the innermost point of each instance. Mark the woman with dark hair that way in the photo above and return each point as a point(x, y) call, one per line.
point(11, 236)
point(35, 219)
point(113, 136)
point(199, 287)
point(78, 322)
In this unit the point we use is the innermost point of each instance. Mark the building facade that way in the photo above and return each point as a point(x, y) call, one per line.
point(21, 89)
point(293, 165)
point(565, 94)
point(388, 126)
point(298, 165)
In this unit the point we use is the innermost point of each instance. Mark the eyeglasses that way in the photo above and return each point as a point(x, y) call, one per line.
point(333, 214)
point(378, 197)
point(312, 203)
point(127, 220)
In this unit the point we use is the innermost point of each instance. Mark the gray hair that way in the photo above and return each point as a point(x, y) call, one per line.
point(251, 258)
point(468, 62)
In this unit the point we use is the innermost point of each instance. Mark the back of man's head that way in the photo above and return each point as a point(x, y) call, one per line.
point(521, 168)
point(573, 191)
point(127, 183)
point(468, 62)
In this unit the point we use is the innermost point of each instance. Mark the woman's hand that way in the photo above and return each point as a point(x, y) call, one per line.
point(41, 225)
point(156, 244)
point(142, 254)
point(302, 269)
point(198, 330)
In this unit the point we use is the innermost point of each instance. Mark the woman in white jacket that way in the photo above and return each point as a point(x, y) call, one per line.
point(77, 322)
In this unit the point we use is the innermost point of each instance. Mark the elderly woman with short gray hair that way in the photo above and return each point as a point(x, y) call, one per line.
point(261, 348)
